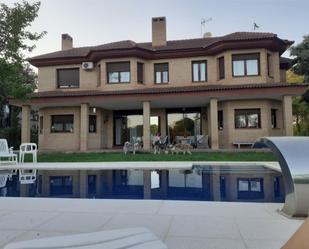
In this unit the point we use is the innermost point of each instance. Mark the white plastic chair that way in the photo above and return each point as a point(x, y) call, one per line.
point(30, 149)
point(27, 176)
point(6, 152)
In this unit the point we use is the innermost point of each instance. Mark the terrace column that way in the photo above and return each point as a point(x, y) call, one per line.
point(25, 124)
point(214, 135)
point(84, 123)
point(146, 125)
point(287, 115)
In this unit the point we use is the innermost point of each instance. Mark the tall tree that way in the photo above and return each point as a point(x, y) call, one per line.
point(17, 80)
point(301, 61)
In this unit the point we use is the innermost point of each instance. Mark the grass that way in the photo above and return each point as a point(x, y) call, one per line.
point(120, 157)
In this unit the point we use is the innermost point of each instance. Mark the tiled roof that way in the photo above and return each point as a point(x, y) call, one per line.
point(171, 45)
point(166, 90)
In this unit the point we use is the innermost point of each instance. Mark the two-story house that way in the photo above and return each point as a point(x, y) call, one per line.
point(230, 88)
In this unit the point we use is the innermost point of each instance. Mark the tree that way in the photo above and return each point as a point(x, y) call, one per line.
point(17, 79)
point(301, 116)
point(301, 61)
point(292, 77)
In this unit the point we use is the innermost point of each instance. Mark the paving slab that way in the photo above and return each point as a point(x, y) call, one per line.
point(179, 224)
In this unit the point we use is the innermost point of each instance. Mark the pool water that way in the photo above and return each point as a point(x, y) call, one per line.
point(219, 183)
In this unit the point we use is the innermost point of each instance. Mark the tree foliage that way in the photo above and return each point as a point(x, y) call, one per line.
point(298, 74)
point(301, 62)
point(17, 80)
point(301, 117)
point(292, 77)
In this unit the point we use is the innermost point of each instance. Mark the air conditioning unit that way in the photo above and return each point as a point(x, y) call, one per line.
point(87, 65)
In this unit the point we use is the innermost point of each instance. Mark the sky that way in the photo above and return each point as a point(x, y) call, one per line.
point(94, 22)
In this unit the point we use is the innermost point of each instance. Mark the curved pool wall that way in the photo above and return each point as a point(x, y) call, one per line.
point(293, 157)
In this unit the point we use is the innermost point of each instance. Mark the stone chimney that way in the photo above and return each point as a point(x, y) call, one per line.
point(66, 42)
point(207, 35)
point(158, 31)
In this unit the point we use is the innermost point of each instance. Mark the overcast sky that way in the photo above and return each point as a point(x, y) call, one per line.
point(93, 22)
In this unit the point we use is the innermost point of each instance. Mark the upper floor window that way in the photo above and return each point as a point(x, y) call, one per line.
point(140, 72)
point(199, 71)
point(247, 118)
point(161, 73)
point(221, 68)
point(118, 72)
point(246, 64)
point(68, 78)
point(62, 123)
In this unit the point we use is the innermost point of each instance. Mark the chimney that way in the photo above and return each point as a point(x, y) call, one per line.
point(66, 42)
point(207, 35)
point(158, 31)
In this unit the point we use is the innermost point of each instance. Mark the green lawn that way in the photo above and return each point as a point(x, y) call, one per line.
point(120, 157)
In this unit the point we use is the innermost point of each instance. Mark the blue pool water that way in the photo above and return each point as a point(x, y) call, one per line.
point(250, 183)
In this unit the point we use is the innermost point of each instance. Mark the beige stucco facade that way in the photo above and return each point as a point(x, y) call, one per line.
point(179, 76)
point(180, 72)
point(224, 137)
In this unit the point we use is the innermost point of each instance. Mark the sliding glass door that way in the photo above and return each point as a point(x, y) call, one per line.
point(129, 125)
point(183, 123)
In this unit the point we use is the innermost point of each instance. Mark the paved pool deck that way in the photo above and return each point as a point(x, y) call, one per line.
point(179, 224)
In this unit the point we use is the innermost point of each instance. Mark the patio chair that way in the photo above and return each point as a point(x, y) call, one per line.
point(7, 153)
point(27, 176)
point(133, 238)
point(30, 149)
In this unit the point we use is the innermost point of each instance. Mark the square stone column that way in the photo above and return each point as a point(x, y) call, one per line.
point(287, 115)
point(213, 129)
point(25, 124)
point(146, 125)
point(84, 126)
point(163, 123)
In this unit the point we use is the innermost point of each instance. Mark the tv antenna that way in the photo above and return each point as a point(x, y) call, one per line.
point(255, 26)
point(203, 25)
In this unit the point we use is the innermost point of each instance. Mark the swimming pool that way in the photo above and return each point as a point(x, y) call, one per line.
point(199, 182)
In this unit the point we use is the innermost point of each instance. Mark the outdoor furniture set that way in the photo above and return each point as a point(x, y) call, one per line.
point(162, 144)
point(8, 157)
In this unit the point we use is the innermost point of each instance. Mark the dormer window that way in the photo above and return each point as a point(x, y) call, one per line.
point(118, 72)
point(246, 65)
point(68, 78)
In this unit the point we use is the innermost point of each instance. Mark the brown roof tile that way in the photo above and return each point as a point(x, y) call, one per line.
point(171, 45)
point(166, 90)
